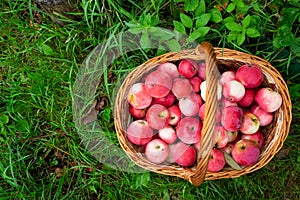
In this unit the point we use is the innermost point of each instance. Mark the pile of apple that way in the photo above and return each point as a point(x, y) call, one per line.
point(167, 107)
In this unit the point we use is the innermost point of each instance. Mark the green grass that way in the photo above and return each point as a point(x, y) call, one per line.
point(42, 155)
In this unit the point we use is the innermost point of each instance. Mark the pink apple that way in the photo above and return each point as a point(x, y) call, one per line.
point(250, 123)
point(268, 99)
point(227, 76)
point(167, 134)
point(139, 132)
point(257, 137)
point(202, 70)
point(138, 97)
point(189, 106)
point(188, 130)
point(245, 152)
point(195, 82)
point(232, 117)
point(183, 154)
point(233, 91)
point(248, 98)
point(251, 76)
point(217, 161)
point(264, 117)
point(181, 87)
point(137, 113)
point(220, 137)
point(187, 68)
point(197, 146)
point(170, 69)
point(228, 148)
point(202, 110)
point(158, 84)
point(175, 115)
point(158, 116)
point(226, 103)
point(232, 135)
point(165, 101)
point(157, 151)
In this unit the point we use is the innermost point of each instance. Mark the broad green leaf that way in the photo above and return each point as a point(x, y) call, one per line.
point(136, 30)
point(229, 19)
point(160, 33)
point(284, 37)
point(240, 4)
point(179, 27)
point(155, 20)
point(252, 32)
point(201, 9)
point(190, 5)
point(47, 50)
point(142, 180)
point(200, 32)
point(295, 47)
point(174, 45)
point(202, 20)
point(230, 7)
point(132, 24)
point(147, 19)
point(231, 162)
point(240, 39)
point(246, 21)
point(216, 15)
point(186, 20)
point(288, 16)
point(233, 26)
point(145, 42)
point(160, 50)
point(232, 36)
point(179, 1)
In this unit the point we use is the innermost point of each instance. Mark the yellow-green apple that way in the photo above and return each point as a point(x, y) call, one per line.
point(250, 123)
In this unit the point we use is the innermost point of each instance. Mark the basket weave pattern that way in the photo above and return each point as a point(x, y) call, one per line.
point(217, 59)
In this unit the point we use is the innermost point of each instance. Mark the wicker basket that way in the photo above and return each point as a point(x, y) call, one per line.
point(275, 133)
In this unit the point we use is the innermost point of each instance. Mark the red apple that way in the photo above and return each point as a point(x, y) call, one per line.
point(202, 110)
point(167, 134)
point(139, 132)
point(220, 137)
point(158, 84)
point(138, 97)
point(137, 113)
point(157, 151)
point(227, 76)
point(251, 76)
point(202, 70)
point(175, 115)
point(232, 135)
point(188, 130)
point(183, 154)
point(181, 87)
point(233, 91)
point(232, 117)
point(195, 82)
point(187, 68)
point(248, 98)
point(245, 152)
point(226, 103)
point(217, 161)
point(228, 148)
point(264, 117)
point(165, 101)
point(158, 116)
point(268, 99)
point(170, 69)
point(250, 123)
point(257, 137)
point(189, 106)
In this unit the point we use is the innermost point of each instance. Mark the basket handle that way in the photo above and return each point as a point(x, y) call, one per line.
point(211, 103)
